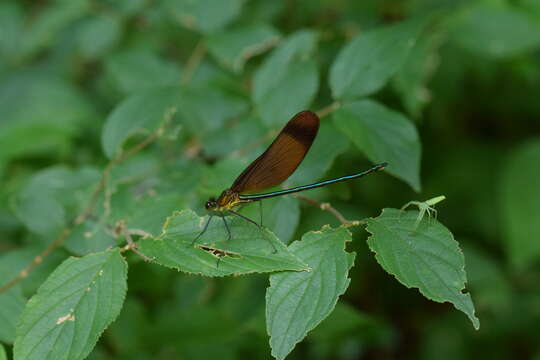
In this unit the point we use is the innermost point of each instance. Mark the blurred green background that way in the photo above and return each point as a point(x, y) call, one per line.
point(471, 85)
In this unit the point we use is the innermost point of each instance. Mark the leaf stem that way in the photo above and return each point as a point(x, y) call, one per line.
point(193, 62)
point(328, 109)
point(87, 212)
point(327, 207)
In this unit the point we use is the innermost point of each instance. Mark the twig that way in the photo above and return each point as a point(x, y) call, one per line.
point(87, 212)
point(193, 62)
point(328, 109)
point(131, 245)
point(36, 261)
point(327, 207)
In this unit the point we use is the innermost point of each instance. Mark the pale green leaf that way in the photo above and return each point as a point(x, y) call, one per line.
point(12, 303)
point(234, 47)
point(288, 70)
point(383, 135)
point(496, 31)
point(365, 64)
point(64, 320)
point(520, 204)
point(140, 113)
point(3, 355)
point(206, 15)
point(250, 250)
point(426, 257)
point(297, 302)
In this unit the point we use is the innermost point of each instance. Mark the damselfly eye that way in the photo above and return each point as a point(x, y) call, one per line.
point(210, 204)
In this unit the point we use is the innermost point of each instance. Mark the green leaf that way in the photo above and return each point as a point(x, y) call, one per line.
point(12, 20)
point(72, 308)
point(234, 47)
point(427, 257)
point(208, 108)
point(495, 31)
point(328, 144)
point(14, 261)
point(42, 203)
point(136, 70)
point(3, 355)
point(365, 64)
point(43, 31)
point(11, 305)
point(206, 15)
point(520, 204)
point(281, 214)
point(288, 70)
point(383, 135)
point(32, 122)
point(250, 249)
point(140, 113)
point(297, 302)
point(98, 34)
point(411, 80)
point(89, 237)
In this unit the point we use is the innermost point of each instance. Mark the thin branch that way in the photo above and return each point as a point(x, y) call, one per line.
point(87, 212)
point(328, 109)
point(327, 207)
point(36, 261)
point(131, 245)
point(193, 62)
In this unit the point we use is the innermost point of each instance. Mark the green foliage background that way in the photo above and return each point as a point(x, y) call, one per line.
point(160, 104)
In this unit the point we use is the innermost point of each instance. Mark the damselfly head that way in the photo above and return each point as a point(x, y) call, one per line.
point(211, 204)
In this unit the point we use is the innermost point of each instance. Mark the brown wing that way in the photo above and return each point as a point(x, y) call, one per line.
point(282, 157)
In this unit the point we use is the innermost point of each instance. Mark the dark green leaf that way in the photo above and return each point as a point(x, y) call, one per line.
point(250, 249)
point(72, 308)
point(383, 135)
point(11, 305)
point(288, 70)
point(365, 64)
point(141, 113)
point(426, 257)
point(297, 302)
point(234, 47)
point(520, 204)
